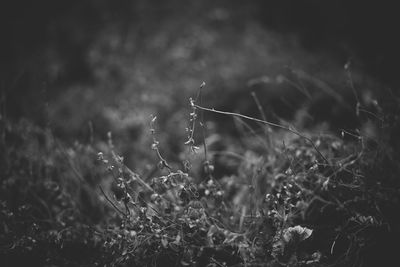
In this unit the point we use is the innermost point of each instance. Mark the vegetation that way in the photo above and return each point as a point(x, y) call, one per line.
point(271, 196)
point(283, 159)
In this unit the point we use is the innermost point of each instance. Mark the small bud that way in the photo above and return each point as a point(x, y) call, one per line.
point(191, 101)
point(154, 146)
point(110, 168)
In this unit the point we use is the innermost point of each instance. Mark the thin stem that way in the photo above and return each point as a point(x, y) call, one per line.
point(252, 131)
point(260, 108)
point(137, 178)
point(262, 113)
point(155, 144)
point(286, 128)
point(203, 130)
point(353, 88)
point(112, 203)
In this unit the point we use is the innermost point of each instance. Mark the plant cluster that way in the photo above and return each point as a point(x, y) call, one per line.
point(301, 200)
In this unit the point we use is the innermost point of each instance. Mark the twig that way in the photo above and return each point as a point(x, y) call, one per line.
point(267, 123)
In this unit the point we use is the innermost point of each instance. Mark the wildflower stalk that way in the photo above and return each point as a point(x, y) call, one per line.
point(203, 130)
point(208, 168)
point(163, 162)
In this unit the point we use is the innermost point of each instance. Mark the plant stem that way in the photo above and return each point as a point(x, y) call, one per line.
point(286, 128)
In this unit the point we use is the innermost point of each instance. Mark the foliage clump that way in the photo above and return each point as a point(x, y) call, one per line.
point(296, 200)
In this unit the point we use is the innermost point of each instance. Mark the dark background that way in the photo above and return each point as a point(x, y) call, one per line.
point(369, 27)
point(45, 45)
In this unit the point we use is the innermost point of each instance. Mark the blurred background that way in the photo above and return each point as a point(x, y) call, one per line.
point(84, 68)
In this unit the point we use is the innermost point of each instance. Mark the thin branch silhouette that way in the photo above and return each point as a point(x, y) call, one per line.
point(286, 128)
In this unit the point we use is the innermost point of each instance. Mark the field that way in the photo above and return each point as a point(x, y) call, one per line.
point(205, 134)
